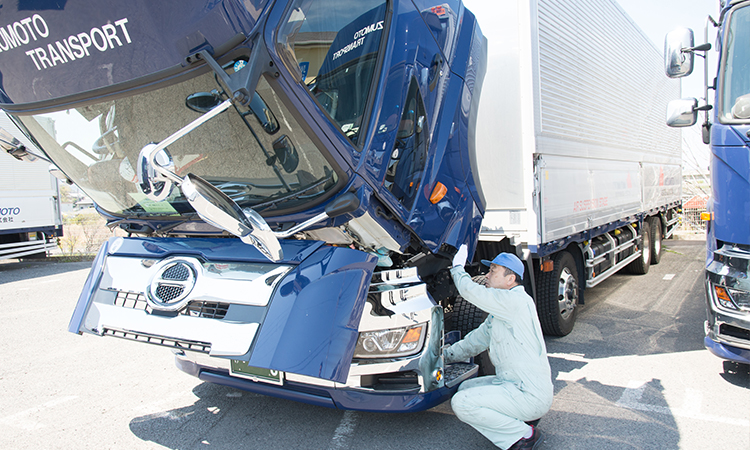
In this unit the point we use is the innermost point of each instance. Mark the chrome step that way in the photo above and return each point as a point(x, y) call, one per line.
point(457, 372)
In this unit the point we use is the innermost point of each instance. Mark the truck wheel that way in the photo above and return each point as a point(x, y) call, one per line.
point(557, 305)
point(656, 238)
point(640, 266)
point(466, 318)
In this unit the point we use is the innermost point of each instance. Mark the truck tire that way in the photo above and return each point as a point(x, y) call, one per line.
point(640, 266)
point(656, 239)
point(466, 318)
point(557, 305)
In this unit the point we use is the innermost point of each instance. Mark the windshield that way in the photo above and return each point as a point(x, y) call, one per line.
point(259, 156)
point(735, 75)
point(334, 47)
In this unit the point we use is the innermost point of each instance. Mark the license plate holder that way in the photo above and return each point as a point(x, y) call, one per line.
point(243, 370)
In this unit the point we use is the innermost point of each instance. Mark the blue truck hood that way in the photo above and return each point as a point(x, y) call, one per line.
point(309, 326)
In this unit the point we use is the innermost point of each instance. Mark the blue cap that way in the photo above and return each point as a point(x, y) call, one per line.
point(508, 260)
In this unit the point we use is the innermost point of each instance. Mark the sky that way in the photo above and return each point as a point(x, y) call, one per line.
point(658, 17)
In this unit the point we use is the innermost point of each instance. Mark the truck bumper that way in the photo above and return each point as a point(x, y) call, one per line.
point(727, 352)
point(334, 395)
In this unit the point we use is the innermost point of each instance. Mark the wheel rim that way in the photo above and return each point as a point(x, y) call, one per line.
point(646, 250)
point(657, 238)
point(567, 293)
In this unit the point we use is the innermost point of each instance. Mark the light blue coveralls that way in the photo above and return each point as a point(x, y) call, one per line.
point(498, 405)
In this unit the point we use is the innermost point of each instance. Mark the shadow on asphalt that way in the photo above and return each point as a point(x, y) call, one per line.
point(226, 418)
point(622, 424)
point(737, 374)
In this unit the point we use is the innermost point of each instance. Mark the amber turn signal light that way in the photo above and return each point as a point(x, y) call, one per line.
point(438, 192)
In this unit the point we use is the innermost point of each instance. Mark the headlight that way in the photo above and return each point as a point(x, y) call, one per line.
point(723, 298)
point(395, 342)
point(732, 299)
point(741, 299)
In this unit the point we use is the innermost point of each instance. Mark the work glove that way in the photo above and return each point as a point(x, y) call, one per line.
point(460, 258)
point(447, 354)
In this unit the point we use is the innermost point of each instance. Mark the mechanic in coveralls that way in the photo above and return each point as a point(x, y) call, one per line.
point(499, 405)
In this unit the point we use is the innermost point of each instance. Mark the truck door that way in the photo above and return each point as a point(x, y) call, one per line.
point(427, 149)
point(417, 74)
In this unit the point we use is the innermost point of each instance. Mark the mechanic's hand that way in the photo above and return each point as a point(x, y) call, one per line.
point(447, 354)
point(461, 255)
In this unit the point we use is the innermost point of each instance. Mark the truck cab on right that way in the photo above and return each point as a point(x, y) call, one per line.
point(726, 128)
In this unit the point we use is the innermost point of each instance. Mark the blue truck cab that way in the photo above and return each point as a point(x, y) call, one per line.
point(292, 178)
point(725, 128)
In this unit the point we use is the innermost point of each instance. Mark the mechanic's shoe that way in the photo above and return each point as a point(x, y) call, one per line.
point(530, 443)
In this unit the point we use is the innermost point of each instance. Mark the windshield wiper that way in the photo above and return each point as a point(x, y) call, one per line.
point(275, 202)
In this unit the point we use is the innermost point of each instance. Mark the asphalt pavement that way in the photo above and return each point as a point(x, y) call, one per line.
point(633, 374)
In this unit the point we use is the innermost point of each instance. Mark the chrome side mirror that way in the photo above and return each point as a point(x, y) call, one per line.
point(217, 209)
point(682, 113)
point(678, 53)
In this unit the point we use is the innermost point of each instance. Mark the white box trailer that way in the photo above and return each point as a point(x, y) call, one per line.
point(30, 216)
point(572, 152)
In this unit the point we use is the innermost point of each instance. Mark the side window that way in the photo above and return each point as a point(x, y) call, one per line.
point(409, 156)
point(333, 47)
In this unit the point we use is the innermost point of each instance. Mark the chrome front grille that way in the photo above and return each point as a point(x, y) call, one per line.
point(132, 300)
point(178, 272)
point(208, 310)
point(194, 308)
point(166, 293)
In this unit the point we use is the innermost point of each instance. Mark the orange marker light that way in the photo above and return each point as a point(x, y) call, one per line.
point(722, 294)
point(412, 335)
point(706, 216)
point(724, 299)
point(438, 192)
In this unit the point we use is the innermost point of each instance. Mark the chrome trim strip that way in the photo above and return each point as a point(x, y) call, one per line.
point(226, 339)
point(725, 338)
point(405, 299)
point(408, 275)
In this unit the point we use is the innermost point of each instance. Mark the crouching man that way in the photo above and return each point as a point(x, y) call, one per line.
point(498, 406)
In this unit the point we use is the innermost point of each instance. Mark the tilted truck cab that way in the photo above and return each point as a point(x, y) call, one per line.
point(293, 177)
point(275, 165)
